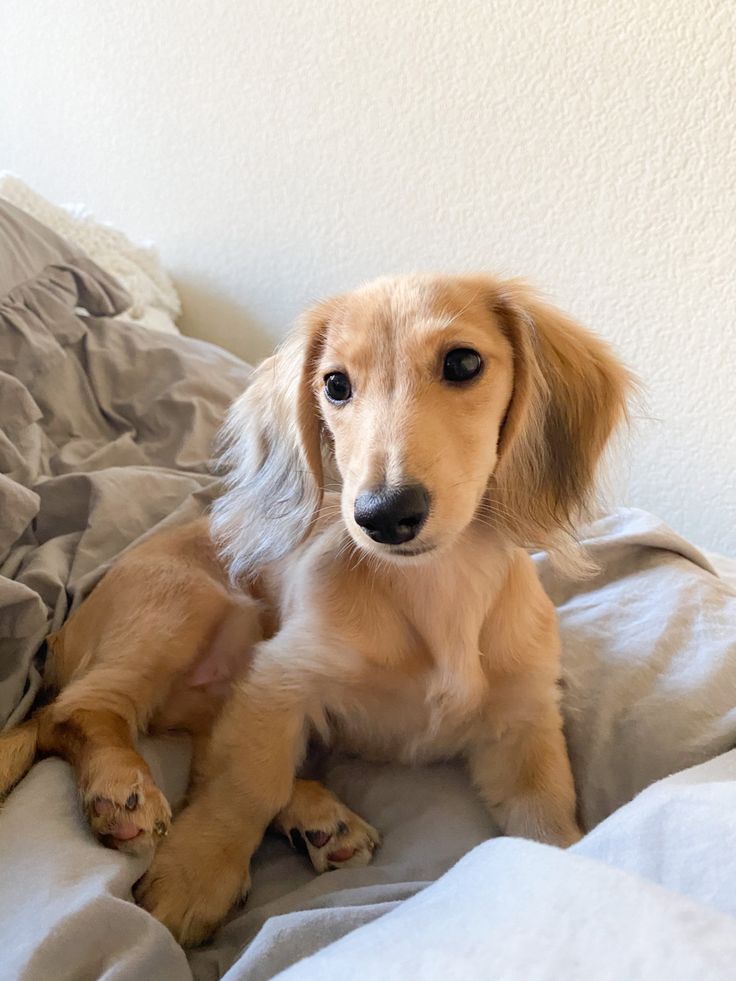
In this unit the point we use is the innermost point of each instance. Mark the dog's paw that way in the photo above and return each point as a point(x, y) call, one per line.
point(335, 837)
point(126, 810)
point(190, 892)
point(350, 843)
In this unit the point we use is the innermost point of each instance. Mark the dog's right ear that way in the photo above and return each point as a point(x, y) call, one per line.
point(270, 453)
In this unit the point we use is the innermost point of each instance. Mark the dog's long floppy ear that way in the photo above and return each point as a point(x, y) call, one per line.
point(570, 393)
point(270, 453)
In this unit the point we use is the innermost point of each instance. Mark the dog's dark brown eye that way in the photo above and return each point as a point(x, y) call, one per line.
point(337, 387)
point(461, 365)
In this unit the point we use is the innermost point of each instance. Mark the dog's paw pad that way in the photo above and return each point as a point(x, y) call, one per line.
point(318, 838)
point(341, 856)
point(125, 819)
point(348, 841)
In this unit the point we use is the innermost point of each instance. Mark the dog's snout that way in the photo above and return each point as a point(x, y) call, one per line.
point(392, 515)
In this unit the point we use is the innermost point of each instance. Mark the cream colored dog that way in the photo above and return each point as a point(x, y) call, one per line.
point(400, 619)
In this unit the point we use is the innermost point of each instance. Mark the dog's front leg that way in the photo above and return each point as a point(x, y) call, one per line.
point(517, 754)
point(524, 777)
point(202, 869)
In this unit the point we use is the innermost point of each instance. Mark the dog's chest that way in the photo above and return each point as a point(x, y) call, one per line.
point(398, 719)
point(408, 679)
point(409, 702)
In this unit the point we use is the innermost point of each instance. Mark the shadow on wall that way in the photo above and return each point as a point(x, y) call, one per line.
point(213, 317)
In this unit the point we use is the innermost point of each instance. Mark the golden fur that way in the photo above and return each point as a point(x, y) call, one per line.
point(298, 624)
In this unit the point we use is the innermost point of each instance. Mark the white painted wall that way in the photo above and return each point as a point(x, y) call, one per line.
point(278, 150)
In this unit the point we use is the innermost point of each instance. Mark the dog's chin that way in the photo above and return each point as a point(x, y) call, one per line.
point(410, 553)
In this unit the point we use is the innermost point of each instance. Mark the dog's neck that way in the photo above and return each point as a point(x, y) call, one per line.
point(479, 550)
point(447, 597)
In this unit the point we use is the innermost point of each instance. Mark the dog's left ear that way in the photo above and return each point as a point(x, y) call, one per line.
point(271, 454)
point(570, 393)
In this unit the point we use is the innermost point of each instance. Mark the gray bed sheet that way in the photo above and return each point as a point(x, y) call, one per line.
point(105, 436)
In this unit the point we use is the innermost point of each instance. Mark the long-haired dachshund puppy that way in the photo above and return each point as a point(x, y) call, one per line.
point(400, 618)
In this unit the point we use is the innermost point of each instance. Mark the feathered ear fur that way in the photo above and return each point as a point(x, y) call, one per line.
point(271, 454)
point(570, 393)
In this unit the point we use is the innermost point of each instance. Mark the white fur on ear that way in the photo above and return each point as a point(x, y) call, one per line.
point(270, 454)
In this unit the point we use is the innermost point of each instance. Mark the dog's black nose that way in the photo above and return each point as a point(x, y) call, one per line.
point(392, 515)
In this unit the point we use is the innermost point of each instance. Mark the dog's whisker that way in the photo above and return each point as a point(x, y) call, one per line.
point(497, 508)
point(461, 483)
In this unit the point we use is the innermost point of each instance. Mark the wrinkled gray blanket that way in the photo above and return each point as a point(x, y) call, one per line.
point(105, 434)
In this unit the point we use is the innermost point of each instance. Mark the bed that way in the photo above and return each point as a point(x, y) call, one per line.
point(105, 435)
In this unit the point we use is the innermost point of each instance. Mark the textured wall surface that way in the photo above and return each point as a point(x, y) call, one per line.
point(278, 151)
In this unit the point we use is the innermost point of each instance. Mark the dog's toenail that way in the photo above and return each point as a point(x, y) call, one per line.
point(161, 829)
point(132, 802)
point(342, 828)
point(318, 838)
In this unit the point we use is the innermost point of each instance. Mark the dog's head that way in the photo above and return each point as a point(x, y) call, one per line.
point(441, 401)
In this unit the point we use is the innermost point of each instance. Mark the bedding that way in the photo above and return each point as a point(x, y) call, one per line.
point(152, 297)
point(105, 435)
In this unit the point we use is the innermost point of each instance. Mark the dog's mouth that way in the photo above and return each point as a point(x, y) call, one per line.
point(401, 554)
point(410, 551)
point(385, 550)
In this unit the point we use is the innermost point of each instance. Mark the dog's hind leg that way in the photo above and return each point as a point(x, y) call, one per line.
point(17, 753)
point(132, 669)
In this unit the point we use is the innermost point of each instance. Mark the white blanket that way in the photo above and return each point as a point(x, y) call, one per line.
point(649, 894)
point(650, 660)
